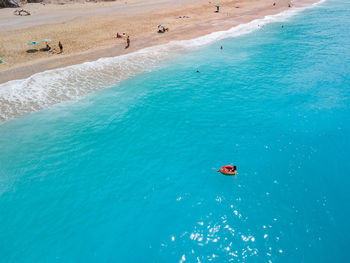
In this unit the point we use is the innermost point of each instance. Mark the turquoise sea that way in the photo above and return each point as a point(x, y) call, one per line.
point(128, 173)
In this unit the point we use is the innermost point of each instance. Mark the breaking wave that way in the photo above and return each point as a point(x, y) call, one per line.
point(44, 89)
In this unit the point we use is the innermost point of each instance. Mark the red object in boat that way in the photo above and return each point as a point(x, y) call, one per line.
point(228, 170)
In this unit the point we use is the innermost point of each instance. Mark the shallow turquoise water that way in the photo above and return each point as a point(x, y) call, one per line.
point(128, 174)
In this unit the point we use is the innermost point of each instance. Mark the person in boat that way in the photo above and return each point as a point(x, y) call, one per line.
point(234, 169)
point(228, 170)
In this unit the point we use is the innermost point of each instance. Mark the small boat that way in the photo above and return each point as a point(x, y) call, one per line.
point(228, 170)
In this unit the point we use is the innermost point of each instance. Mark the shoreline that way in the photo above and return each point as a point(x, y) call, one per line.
point(46, 88)
point(185, 31)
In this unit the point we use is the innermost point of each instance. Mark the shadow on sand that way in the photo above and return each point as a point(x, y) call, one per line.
point(32, 51)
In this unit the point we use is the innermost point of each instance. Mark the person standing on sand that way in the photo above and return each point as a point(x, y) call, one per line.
point(60, 46)
point(127, 42)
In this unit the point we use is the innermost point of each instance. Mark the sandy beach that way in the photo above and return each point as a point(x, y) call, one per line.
point(87, 30)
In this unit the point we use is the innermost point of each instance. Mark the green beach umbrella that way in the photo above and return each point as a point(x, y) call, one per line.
point(33, 43)
point(0, 60)
point(217, 5)
point(161, 25)
point(46, 40)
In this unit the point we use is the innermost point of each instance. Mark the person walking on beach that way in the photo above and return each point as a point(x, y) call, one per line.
point(127, 42)
point(60, 46)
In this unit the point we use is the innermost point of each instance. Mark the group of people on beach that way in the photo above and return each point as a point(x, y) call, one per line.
point(121, 36)
point(49, 49)
point(163, 29)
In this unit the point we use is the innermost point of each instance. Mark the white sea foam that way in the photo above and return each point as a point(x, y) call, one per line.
point(41, 90)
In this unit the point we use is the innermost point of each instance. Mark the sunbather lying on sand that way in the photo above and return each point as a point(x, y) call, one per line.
point(119, 35)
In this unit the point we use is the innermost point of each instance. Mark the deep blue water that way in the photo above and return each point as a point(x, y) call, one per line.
point(128, 174)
